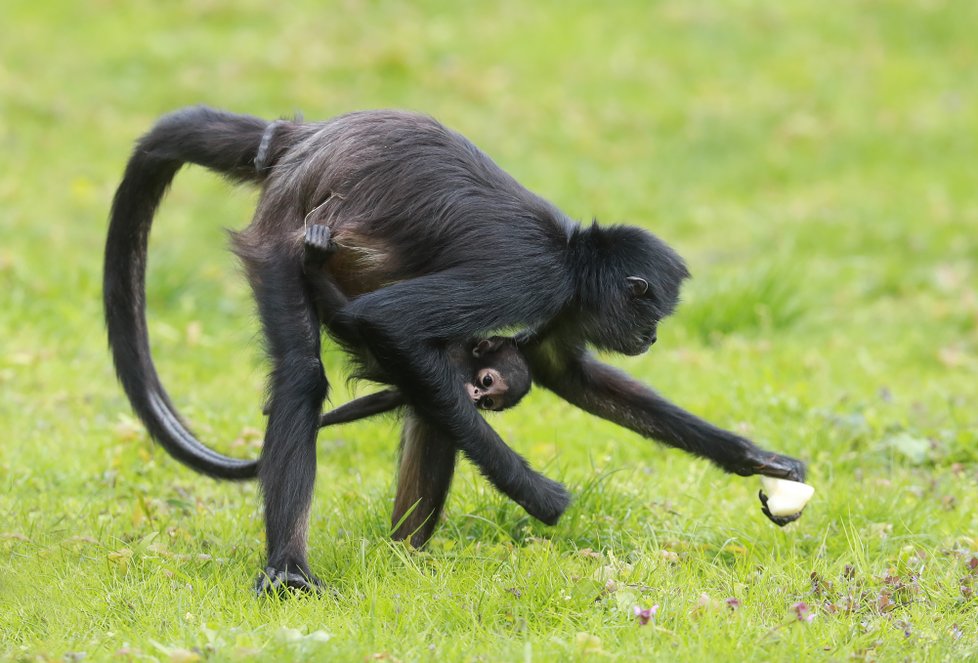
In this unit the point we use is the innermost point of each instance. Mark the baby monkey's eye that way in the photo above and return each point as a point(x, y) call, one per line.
point(486, 403)
point(486, 380)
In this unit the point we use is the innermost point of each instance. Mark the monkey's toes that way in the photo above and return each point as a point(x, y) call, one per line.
point(286, 582)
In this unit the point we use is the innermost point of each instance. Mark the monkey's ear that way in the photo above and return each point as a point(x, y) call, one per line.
point(487, 346)
point(482, 347)
point(637, 285)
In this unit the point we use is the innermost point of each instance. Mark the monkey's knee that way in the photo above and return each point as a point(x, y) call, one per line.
point(299, 379)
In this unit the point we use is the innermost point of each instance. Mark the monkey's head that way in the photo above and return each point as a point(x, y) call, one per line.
point(630, 281)
point(499, 375)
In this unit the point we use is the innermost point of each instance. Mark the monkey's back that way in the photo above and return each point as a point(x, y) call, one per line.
point(403, 194)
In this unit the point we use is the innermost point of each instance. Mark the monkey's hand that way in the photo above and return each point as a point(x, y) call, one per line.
point(769, 464)
point(551, 500)
point(780, 521)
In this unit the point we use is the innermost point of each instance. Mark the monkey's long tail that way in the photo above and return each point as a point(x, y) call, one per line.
point(223, 142)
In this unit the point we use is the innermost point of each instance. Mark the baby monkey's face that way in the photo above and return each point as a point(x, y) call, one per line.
point(488, 390)
point(495, 372)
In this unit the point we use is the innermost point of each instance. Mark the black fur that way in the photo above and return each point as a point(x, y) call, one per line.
point(436, 243)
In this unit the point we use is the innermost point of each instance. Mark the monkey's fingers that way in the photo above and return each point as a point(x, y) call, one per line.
point(780, 521)
point(779, 467)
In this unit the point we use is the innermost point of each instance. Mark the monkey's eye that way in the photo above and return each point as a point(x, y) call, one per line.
point(486, 403)
point(486, 380)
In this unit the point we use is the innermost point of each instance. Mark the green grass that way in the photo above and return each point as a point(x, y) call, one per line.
point(815, 163)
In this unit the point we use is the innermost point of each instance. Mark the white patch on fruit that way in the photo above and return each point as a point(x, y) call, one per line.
point(785, 498)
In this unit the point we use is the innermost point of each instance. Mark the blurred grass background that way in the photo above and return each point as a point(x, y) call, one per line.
point(815, 164)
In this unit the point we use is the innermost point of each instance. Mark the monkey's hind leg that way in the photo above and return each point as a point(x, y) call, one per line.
point(297, 389)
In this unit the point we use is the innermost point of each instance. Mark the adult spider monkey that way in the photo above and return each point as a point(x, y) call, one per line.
point(438, 244)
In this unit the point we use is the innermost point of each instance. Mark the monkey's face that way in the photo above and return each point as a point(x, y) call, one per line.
point(627, 321)
point(640, 317)
point(495, 372)
point(488, 389)
point(644, 276)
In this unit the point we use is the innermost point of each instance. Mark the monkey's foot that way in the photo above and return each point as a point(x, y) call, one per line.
point(318, 240)
point(780, 521)
point(550, 501)
point(290, 580)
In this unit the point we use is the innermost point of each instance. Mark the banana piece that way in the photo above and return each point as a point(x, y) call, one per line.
point(785, 498)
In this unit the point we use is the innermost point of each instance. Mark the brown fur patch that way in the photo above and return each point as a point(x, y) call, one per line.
point(361, 264)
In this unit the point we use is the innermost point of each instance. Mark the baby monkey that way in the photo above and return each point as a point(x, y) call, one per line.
point(494, 373)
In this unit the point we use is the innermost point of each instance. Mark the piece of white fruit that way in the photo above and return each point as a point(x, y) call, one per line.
point(785, 498)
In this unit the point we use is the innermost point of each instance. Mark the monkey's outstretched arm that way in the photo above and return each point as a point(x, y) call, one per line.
point(580, 379)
